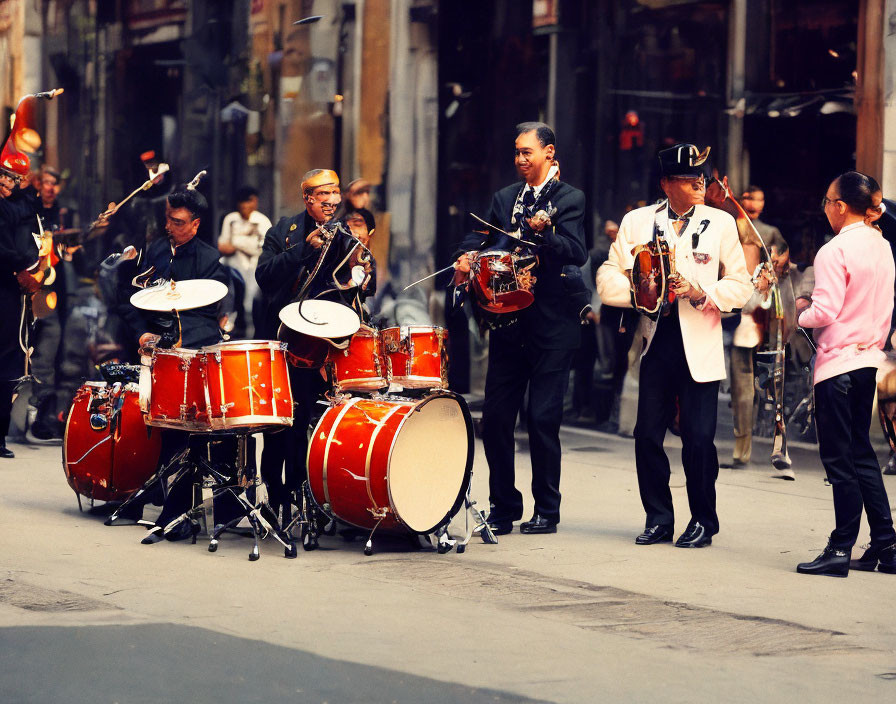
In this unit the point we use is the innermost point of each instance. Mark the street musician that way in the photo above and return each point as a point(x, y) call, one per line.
point(681, 336)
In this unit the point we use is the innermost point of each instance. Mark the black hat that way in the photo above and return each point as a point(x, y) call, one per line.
point(682, 160)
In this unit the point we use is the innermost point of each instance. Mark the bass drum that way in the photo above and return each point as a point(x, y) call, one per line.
point(400, 464)
point(108, 452)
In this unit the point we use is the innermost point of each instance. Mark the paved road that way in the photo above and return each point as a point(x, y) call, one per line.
point(89, 614)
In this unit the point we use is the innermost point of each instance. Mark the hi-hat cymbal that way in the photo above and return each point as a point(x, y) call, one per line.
point(321, 319)
point(179, 295)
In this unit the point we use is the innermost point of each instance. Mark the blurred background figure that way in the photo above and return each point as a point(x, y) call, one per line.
point(240, 241)
point(357, 195)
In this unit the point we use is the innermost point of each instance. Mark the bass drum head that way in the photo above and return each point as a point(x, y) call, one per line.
point(430, 463)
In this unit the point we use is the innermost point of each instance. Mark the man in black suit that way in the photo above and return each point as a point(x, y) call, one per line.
point(534, 349)
point(294, 249)
point(18, 257)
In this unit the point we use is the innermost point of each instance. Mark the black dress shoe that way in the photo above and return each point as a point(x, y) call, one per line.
point(500, 527)
point(655, 534)
point(884, 555)
point(6, 453)
point(833, 562)
point(694, 537)
point(539, 525)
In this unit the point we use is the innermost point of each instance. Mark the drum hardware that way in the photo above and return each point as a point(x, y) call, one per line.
point(502, 282)
point(98, 421)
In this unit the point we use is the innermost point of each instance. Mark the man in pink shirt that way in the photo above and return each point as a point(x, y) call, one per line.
point(851, 308)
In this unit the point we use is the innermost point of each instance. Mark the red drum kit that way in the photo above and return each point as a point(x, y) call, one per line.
point(401, 463)
point(108, 452)
point(389, 409)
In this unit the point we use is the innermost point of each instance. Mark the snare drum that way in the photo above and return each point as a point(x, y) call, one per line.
point(502, 281)
point(418, 356)
point(172, 390)
point(248, 384)
point(312, 328)
point(108, 452)
point(400, 464)
point(361, 366)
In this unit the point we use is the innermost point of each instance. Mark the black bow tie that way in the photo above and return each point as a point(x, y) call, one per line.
point(683, 216)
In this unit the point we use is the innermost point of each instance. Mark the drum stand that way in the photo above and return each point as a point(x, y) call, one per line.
point(441, 540)
point(261, 517)
point(157, 479)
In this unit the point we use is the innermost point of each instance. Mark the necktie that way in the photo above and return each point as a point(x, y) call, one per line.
point(528, 198)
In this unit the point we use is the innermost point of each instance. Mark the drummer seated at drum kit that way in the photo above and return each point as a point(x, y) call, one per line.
point(179, 257)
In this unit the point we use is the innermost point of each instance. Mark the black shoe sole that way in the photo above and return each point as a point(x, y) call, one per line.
point(538, 531)
point(667, 539)
point(706, 542)
point(824, 574)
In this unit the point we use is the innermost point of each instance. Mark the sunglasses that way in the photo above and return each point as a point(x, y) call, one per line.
point(15, 178)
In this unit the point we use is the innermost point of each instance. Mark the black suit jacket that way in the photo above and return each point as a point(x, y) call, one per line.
point(18, 251)
point(285, 263)
point(193, 260)
point(552, 321)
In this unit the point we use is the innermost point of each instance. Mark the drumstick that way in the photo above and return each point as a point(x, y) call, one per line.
point(436, 273)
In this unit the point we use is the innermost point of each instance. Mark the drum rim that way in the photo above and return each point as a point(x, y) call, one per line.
point(438, 329)
point(323, 304)
point(468, 469)
point(242, 345)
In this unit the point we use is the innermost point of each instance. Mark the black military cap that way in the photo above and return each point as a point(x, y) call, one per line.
point(682, 160)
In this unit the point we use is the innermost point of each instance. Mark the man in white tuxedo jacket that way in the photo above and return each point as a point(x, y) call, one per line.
point(682, 354)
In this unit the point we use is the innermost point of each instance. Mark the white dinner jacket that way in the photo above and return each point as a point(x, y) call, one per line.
point(717, 266)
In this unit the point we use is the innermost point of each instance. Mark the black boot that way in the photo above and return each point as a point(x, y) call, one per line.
point(885, 555)
point(833, 562)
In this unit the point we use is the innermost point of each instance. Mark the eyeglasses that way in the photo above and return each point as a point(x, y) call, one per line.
point(826, 200)
point(696, 182)
point(15, 178)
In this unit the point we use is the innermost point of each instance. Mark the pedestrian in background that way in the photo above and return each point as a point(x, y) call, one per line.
point(240, 241)
point(851, 308)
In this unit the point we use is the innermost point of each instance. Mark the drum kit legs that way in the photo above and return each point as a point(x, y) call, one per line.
point(189, 465)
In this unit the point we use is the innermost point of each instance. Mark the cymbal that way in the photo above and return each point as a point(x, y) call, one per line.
point(179, 295)
point(321, 319)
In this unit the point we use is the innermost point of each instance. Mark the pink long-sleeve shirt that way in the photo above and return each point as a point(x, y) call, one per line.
point(852, 303)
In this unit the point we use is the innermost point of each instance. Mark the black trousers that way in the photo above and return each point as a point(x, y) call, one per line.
point(7, 388)
point(666, 384)
point(284, 456)
point(514, 365)
point(842, 416)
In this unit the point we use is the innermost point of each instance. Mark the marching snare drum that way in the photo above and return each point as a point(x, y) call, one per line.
point(398, 463)
point(502, 281)
point(418, 356)
point(248, 384)
point(361, 366)
point(172, 390)
point(108, 452)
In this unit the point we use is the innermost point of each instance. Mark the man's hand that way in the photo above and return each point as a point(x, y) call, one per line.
point(716, 193)
point(801, 304)
point(462, 267)
point(682, 288)
point(315, 239)
point(539, 221)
